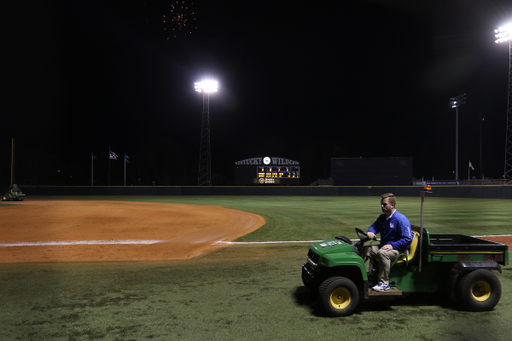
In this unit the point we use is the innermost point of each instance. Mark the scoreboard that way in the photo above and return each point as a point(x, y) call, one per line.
point(279, 172)
point(267, 170)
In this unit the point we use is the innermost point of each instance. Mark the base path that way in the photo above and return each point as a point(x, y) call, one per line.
point(60, 231)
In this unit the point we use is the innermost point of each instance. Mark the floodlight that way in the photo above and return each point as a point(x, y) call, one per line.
point(206, 86)
point(204, 177)
point(503, 34)
point(458, 100)
point(455, 103)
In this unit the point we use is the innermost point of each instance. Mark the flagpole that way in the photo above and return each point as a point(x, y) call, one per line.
point(92, 169)
point(125, 169)
point(470, 166)
point(12, 162)
point(109, 165)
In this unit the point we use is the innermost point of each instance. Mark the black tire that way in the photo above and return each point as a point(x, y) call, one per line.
point(479, 290)
point(339, 296)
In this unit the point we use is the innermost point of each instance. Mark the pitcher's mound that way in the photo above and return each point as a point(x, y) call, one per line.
point(58, 231)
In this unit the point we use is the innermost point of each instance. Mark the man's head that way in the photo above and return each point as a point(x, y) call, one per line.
point(387, 203)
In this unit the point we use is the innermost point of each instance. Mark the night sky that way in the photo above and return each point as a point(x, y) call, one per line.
point(303, 80)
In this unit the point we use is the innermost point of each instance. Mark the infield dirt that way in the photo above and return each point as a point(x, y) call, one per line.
point(176, 231)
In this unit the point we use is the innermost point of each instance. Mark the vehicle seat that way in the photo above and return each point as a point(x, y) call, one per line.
point(406, 258)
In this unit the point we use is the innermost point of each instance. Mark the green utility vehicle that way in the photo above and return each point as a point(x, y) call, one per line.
point(437, 263)
point(14, 194)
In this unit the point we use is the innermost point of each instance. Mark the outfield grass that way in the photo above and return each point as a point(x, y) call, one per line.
point(247, 292)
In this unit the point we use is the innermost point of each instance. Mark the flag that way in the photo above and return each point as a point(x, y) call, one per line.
point(112, 155)
point(126, 158)
point(471, 166)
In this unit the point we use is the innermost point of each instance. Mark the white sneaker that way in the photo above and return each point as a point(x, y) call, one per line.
point(381, 287)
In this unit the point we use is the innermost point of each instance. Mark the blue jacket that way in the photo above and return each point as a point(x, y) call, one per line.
point(395, 231)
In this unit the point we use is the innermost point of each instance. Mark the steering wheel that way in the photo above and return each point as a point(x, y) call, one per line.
point(363, 237)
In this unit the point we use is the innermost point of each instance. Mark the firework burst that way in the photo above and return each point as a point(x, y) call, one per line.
point(180, 20)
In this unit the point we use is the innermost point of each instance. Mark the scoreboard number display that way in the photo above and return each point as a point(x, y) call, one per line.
point(279, 172)
point(267, 170)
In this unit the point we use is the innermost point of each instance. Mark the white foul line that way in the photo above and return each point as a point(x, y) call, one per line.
point(318, 241)
point(82, 242)
point(276, 242)
point(153, 241)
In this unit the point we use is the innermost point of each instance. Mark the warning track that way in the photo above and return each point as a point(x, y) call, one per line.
point(59, 230)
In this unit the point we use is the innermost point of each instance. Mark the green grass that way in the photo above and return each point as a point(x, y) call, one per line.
point(216, 298)
point(247, 292)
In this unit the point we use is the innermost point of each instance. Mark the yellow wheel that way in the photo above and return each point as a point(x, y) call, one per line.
point(339, 296)
point(481, 291)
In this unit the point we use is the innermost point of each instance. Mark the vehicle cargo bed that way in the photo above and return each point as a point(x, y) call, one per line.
point(455, 242)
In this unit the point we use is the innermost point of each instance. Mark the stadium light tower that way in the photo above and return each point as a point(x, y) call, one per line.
point(204, 177)
point(456, 102)
point(504, 34)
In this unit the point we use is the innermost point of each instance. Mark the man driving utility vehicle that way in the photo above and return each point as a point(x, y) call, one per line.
point(395, 238)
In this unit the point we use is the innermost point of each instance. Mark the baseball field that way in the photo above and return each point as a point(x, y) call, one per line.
point(215, 268)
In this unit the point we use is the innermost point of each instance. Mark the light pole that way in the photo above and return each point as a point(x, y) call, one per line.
point(504, 34)
point(455, 102)
point(481, 160)
point(204, 177)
